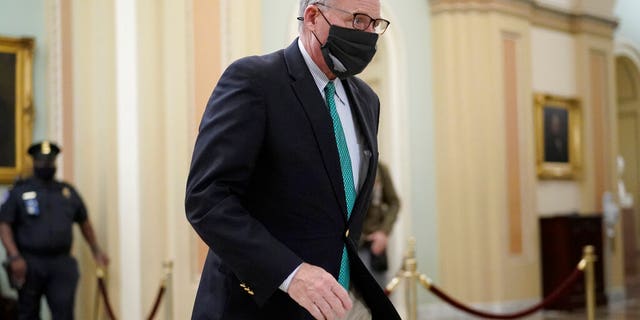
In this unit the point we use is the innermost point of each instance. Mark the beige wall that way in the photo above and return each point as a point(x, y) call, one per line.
point(139, 235)
point(487, 247)
point(93, 138)
point(491, 241)
point(553, 71)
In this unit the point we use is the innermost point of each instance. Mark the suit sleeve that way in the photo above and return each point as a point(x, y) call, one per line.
point(225, 154)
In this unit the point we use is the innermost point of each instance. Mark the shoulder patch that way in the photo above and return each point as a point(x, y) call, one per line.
point(66, 192)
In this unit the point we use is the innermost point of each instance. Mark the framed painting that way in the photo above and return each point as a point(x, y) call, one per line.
point(16, 106)
point(558, 126)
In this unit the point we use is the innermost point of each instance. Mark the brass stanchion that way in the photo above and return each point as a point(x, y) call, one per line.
point(410, 267)
point(162, 292)
point(410, 273)
point(589, 281)
point(168, 283)
point(97, 306)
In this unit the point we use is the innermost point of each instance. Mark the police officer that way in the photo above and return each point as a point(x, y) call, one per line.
point(36, 221)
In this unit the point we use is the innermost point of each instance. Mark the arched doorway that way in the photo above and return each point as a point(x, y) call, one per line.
point(628, 98)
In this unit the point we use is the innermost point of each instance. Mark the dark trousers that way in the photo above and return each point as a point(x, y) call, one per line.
point(56, 278)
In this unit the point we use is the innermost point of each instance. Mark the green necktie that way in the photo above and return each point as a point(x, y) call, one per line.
point(347, 174)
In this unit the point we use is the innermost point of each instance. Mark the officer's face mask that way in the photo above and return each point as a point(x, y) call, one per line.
point(45, 173)
point(347, 51)
point(44, 169)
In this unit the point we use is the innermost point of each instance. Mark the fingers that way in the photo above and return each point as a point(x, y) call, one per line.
point(335, 304)
point(19, 268)
point(378, 242)
point(327, 304)
point(326, 309)
point(319, 293)
point(20, 276)
point(315, 311)
point(343, 297)
point(311, 306)
point(101, 259)
point(377, 248)
point(329, 307)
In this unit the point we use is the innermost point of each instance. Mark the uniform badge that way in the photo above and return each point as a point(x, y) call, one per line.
point(66, 192)
point(31, 203)
point(29, 195)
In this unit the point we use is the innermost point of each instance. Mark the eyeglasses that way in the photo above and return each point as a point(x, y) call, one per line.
point(362, 21)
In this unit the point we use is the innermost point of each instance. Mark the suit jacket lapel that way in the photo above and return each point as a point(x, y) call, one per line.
point(316, 110)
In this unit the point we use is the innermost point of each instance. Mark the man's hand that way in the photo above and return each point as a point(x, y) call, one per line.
point(317, 291)
point(101, 258)
point(378, 242)
point(19, 271)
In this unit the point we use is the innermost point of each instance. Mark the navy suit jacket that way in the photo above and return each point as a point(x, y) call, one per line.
point(265, 189)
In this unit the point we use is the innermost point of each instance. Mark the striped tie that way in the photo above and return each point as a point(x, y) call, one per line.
point(347, 174)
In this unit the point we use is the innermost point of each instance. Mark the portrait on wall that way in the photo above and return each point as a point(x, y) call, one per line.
point(16, 110)
point(556, 134)
point(558, 130)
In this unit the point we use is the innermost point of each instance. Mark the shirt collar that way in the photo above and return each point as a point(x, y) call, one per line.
point(319, 77)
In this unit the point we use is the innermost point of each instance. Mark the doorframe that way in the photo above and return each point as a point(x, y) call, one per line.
point(626, 49)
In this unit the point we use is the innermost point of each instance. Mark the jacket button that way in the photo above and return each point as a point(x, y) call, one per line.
point(346, 234)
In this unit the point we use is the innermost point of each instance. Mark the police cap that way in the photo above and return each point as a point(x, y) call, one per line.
point(45, 150)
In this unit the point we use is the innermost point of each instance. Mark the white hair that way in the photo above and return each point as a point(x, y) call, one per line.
point(303, 6)
point(305, 3)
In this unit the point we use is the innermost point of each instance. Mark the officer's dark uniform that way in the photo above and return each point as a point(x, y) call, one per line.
point(41, 215)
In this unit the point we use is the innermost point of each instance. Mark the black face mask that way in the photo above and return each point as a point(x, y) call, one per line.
point(347, 51)
point(44, 173)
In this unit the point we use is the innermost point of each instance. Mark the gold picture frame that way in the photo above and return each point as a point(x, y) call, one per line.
point(16, 106)
point(558, 125)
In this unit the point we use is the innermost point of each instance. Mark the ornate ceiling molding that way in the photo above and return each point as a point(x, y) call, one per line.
point(537, 14)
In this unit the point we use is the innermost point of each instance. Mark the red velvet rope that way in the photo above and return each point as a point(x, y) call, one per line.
point(156, 304)
point(549, 299)
point(105, 296)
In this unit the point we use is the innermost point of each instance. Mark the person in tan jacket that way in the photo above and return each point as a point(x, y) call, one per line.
point(378, 223)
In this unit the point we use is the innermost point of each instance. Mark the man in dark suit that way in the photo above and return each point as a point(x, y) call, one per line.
point(282, 173)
